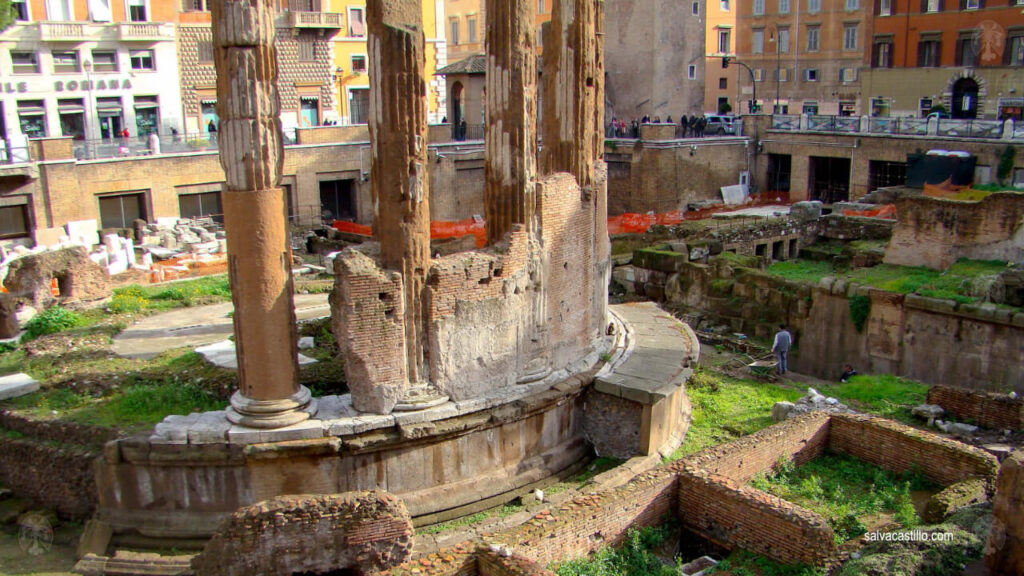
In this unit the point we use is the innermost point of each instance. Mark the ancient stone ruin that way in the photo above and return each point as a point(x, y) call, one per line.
point(415, 329)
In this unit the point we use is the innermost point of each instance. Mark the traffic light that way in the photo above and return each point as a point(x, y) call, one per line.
point(725, 62)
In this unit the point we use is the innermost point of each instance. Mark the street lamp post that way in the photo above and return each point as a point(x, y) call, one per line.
point(89, 107)
point(753, 81)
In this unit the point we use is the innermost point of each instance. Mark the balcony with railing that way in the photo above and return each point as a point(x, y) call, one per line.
point(63, 31)
point(144, 31)
point(897, 126)
point(332, 20)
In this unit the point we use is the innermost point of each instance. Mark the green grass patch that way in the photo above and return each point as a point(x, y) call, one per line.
point(452, 524)
point(726, 408)
point(845, 491)
point(636, 557)
point(802, 270)
point(882, 394)
point(205, 290)
point(743, 563)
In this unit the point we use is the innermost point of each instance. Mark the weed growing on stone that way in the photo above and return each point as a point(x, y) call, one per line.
point(846, 492)
point(635, 557)
point(452, 524)
point(802, 270)
point(599, 465)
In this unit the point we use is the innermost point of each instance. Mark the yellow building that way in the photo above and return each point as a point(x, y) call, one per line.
point(720, 40)
point(351, 60)
point(466, 29)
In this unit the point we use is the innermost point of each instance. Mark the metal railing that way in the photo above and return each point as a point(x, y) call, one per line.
point(970, 128)
point(904, 126)
point(467, 132)
point(134, 146)
point(14, 154)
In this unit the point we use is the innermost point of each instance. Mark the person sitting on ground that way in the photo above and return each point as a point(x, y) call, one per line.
point(848, 372)
point(783, 341)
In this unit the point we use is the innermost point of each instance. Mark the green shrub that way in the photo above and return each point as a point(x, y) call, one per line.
point(860, 308)
point(51, 321)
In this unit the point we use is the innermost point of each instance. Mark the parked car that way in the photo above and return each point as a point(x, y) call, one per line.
point(719, 124)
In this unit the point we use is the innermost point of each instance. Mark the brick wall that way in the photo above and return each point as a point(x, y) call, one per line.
point(835, 227)
point(723, 510)
point(368, 315)
point(899, 448)
point(986, 409)
point(311, 533)
point(935, 233)
point(51, 462)
point(491, 563)
point(802, 439)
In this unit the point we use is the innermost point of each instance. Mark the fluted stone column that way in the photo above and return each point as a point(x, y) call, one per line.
point(510, 154)
point(573, 90)
point(398, 134)
point(259, 255)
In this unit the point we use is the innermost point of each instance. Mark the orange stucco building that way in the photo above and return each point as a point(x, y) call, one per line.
point(967, 55)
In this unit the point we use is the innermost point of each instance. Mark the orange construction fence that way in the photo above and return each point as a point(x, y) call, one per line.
point(887, 211)
point(439, 229)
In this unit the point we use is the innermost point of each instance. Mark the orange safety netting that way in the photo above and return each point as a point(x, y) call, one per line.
point(439, 229)
point(886, 211)
point(623, 224)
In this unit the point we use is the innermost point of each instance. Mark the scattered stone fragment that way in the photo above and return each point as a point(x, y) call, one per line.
point(928, 412)
point(16, 385)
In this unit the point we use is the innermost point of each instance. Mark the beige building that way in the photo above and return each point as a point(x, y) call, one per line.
point(464, 28)
point(654, 58)
point(720, 40)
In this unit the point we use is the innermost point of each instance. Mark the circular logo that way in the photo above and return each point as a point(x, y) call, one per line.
point(35, 534)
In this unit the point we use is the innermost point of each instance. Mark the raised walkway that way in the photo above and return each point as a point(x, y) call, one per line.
point(197, 326)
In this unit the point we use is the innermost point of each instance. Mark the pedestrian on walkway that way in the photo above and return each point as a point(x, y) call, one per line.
point(783, 342)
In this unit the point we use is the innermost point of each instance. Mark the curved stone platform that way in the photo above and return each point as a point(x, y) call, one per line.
point(194, 470)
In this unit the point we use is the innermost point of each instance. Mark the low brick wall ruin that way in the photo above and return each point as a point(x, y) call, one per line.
point(727, 512)
point(51, 462)
point(986, 409)
point(707, 493)
point(311, 533)
point(900, 448)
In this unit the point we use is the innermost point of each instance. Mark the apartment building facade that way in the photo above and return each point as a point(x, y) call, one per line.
point(967, 55)
point(806, 54)
point(89, 69)
point(719, 38)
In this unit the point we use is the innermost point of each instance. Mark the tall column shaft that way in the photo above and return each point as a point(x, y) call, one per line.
point(398, 134)
point(259, 256)
point(574, 89)
point(510, 154)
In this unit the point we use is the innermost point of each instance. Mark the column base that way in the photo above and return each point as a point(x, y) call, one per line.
point(420, 397)
point(271, 413)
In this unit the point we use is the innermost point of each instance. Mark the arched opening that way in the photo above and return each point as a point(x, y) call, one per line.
point(965, 98)
point(458, 111)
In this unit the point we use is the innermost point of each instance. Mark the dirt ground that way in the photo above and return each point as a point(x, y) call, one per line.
point(57, 559)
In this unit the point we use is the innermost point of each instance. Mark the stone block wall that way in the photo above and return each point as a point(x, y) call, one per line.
point(725, 511)
point(836, 227)
point(612, 424)
point(934, 232)
point(900, 448)
point(986, 409)
point(311, 533)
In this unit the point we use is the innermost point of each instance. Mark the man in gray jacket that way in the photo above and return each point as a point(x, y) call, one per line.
point(783, 342)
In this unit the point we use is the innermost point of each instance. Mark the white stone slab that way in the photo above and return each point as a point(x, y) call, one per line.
point(222, 355)
point(734, 195)
point(16, 385)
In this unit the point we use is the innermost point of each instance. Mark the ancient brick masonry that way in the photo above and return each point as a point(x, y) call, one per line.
point(398, 133)
point(254, 216)
point(313, 533)
point(987, 409)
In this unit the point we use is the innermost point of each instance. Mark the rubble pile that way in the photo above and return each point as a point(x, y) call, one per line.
point(169, 237)
point(811, 401)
